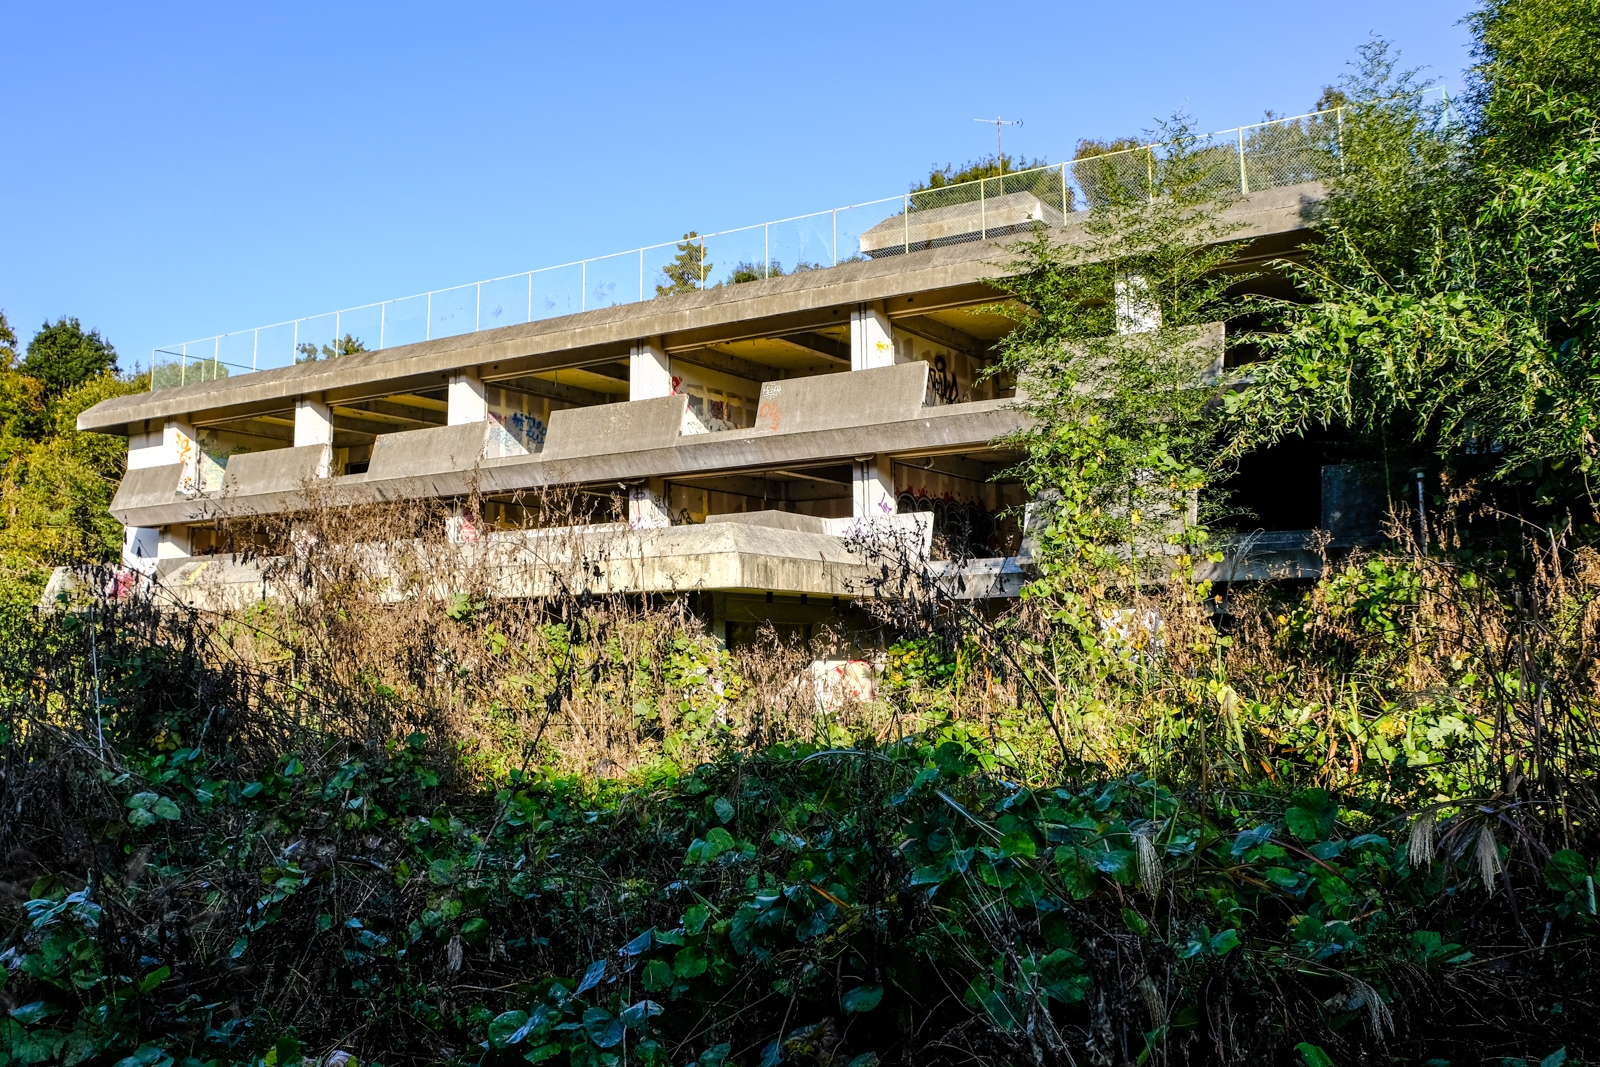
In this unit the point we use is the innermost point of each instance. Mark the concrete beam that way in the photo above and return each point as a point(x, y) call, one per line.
point(572, 394)
point(948, 428)
point(940, 334)
point(759, 487)
point(737, 366)
point(818, 344)
point(954, 466)
point(410, 413)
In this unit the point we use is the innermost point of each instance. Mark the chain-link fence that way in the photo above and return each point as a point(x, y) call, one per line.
point(1247, 159)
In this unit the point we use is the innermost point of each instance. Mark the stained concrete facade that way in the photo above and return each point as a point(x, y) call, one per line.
point(730, 429)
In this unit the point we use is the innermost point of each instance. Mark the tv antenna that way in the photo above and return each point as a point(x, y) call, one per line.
point(999, 125)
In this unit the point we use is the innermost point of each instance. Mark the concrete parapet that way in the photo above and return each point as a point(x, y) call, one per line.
point(832, 401)
point(148, 487)
point(418, 469)
point(996, 216)
point(436, 450)
point(608, 428)
point(279, 470)
point(779, 520)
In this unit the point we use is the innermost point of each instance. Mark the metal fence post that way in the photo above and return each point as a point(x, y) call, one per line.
point(336, 322)
point(1064, 209)
point(835, 237)
point(477, 312)
point(1338, 136)
point(427, 326)
point(383, 321)
point(183, 366)
point(1244, 180)
point(983, 211)
point(530, 296)
point(1150, 171)
point(766, 247)
point(583, 286)
point(641, 275)
point(905, 215)
point(255, 349)
point(216, 356)
point(702, 261)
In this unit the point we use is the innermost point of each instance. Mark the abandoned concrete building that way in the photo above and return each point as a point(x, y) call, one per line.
point(733, 436)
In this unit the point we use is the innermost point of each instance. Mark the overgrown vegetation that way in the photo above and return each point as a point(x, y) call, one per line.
point(1134, 818)
point(57, 482)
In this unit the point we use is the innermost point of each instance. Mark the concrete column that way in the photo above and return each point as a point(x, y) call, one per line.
point(313, 425)
point(1137, 310)
point(871, 337)
point(872, 488)
point(468, 402)
point(647, 506)
point(148, 445)
point(649, 370)
point(160, 445)
point(174, 542)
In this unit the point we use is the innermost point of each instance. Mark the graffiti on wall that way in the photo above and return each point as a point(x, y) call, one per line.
point(966, 527)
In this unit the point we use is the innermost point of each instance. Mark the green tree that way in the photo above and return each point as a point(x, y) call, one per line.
point(1113, 364)
point(343, 346)
point(56, 483)
point(62, 355)
point(8, 343)
point(688, 270)
point(983, 167)
point(1451, 314)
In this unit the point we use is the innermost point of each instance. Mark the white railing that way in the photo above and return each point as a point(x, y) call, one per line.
point(1247, 158)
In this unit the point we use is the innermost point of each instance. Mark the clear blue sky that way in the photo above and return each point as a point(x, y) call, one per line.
point(176, 170)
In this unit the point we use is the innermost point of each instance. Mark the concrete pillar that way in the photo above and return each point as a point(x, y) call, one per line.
point(149, 445)
point(174, 542)
point(141, 545)
point(647, 506)
point(159, 445)
point(872, 487)
point(649, 370)
point(468, 401)
point(313, 425)
point(871, 337)
point(1137, 310)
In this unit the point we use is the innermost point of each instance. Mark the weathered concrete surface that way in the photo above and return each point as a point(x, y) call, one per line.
point(950, 428)
point(780, 520)
point(997, 216)
point(537, 563)
point(834, 401)
point(943, 429)
point(631, 427)
point(281, 470)
point(796, 301)
point(144, 488)
point(436, 450)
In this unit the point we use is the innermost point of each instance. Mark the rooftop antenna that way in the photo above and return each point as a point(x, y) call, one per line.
point(999, 124)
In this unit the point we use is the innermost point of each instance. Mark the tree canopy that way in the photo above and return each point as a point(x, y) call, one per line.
point(62, 355)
